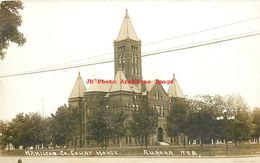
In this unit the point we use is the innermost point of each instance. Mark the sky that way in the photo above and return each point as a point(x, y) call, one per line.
point(62, 33)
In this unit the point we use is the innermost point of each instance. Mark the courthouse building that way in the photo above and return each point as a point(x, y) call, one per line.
point(125, 96)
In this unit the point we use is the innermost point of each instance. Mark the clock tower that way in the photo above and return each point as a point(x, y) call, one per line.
point(127, 51)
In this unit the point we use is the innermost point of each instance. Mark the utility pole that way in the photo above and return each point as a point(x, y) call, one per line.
point(43, 108)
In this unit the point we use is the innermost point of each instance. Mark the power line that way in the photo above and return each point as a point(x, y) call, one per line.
point(184, 47)
point(205, 43)
point(203, 30)
point(55, 66)
point(155, 42)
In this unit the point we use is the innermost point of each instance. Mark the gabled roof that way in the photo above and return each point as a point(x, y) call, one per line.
point(98, 87)
point(127, 30)
point(78, 89)
point(118, 86)
point(150, 85)
point(174, 89)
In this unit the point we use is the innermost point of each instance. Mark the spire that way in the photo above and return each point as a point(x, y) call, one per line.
point(127, 29)
point(126, 13)
point(78, 89)
point(174, 89)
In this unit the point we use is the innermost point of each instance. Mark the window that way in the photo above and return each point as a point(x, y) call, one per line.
point(123, 58)
point(158, 110)
point(87, 110)
point(133, 58)
point(162, 110)
point(120, 59)
point(157, 95)
point(136, 70)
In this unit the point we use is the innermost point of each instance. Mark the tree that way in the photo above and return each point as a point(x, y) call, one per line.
point(27, 130)
point(177, 119)
point(201, 115)
point(241, 128)
point(4, 132)
point(144, 123)
point(256, 122)
point(10, 20)
point(119, 125)
point(63, 125)
point(104, 124)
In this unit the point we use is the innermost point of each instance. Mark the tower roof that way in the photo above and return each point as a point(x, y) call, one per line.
point(78, 89)
point(127, 29)
point(174, 89)
point(118, 86)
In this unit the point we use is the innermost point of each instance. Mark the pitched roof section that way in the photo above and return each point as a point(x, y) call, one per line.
point(78, 89)
point(98, 87)
point(150, 85)
point(118, 86)
point(174, 89)
point(127, 30)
